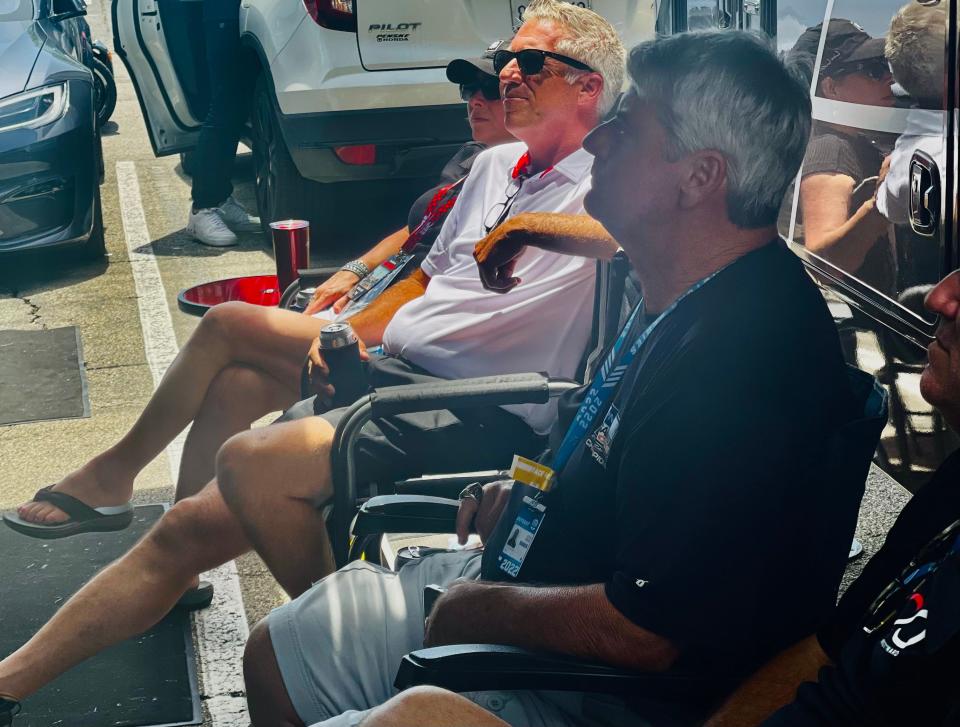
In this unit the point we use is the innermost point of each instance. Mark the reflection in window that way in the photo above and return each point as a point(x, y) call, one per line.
point(702, 15)
point(876, 83)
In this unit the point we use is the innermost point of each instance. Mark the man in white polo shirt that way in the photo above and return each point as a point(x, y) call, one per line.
point(438, 323)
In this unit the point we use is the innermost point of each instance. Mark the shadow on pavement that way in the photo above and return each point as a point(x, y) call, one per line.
point(42, 270)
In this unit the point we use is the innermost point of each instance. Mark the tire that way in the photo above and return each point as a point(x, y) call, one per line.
point(105, 91)
point(281, 192)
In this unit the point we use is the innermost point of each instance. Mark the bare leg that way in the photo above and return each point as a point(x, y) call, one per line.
point(238, 396)
point(272, 340)
point(429, 707)
point(271, 478)
point(267, 697)
point(132, 594)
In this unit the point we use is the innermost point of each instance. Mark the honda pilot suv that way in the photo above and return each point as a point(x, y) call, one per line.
point(340, 90)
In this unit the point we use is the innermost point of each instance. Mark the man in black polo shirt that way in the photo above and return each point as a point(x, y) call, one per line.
point(700, 518)
point(889, 655)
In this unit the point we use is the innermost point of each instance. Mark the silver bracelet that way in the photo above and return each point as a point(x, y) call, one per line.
point(357, 267)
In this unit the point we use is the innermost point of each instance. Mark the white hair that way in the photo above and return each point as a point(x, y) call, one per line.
point(916, 49)
point(729, 92)
point(589, 38)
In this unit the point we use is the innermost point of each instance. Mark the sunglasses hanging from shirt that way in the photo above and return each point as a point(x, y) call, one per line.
point(379, 279)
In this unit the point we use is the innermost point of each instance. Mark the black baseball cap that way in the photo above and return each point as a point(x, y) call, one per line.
point(847, 43)
point(465, 71)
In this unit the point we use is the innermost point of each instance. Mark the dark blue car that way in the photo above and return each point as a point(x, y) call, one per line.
point(50, 156)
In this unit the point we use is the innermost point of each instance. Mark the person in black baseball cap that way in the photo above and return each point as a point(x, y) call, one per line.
point(480, 89)
point(837, 204)
point(853, 67)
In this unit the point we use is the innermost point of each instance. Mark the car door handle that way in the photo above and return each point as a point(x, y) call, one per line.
point(924, 195)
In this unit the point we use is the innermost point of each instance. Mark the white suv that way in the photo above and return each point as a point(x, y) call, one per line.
point(340, 89)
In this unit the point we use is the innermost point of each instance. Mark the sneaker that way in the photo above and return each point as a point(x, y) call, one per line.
point(9, 708)
point(208, 227)
point(234, 214)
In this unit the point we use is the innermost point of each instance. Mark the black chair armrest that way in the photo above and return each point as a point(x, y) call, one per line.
point(406, 514)
point(447, 485)
point(312, 277)
point(531, 388)
point(482, 667)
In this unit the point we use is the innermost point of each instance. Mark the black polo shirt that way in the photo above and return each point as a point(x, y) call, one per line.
point(905, 673)
point(712, 520)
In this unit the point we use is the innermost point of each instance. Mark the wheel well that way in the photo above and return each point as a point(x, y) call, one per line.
point(254, 64)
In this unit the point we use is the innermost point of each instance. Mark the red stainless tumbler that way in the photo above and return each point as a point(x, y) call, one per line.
point(291, 249)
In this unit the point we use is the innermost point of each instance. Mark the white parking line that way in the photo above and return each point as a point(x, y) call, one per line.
point(221, 629)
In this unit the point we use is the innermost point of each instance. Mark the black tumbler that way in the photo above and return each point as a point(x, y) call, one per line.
point(341, 351)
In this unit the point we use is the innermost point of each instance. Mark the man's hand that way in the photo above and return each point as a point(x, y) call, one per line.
point(335, 287)
point(497, 255)
point(316, 374)
point(483, 516)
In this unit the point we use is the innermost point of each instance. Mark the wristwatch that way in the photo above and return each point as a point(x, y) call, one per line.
point(357, 267)
point(473, 491)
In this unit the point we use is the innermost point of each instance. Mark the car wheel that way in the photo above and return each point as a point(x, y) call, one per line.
point(281, 192)
point(105, 91)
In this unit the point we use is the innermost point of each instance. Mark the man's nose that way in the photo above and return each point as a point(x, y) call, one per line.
point(510, 73)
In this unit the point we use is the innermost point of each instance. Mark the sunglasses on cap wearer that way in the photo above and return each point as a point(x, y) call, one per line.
point(532, 60)
point(489, 87)
point(876, 69)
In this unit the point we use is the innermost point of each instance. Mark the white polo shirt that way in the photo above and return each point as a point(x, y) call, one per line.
point(457, 329)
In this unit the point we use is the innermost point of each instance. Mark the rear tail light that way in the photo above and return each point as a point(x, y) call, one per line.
point(358, 155)
point(332, 14)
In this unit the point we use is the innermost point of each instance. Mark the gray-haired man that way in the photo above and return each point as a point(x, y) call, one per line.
point(707, 433)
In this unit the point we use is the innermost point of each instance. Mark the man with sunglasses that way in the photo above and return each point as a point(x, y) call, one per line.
point(890, 653)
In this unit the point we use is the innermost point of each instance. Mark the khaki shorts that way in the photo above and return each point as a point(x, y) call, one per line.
point(339, 646)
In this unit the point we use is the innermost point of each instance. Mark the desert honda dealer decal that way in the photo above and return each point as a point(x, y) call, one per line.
point(393, 32)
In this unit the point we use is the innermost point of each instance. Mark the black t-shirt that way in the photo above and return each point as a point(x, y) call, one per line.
point(713, 522)
point(907, 672)
point(853, 155)
point(457, 168)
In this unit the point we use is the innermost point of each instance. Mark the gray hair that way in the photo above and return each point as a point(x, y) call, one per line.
point(729, 92)
point(916, 47)
point(589, 38)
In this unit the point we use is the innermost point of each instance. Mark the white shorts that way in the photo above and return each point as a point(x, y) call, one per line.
point(340, 643)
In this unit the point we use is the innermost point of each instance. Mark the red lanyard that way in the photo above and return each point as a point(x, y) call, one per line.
point(439, 205)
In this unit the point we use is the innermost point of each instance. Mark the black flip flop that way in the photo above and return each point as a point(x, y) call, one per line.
point(83, 518)
point(197, 598)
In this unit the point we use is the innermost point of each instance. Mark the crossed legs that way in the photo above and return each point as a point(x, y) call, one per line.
point(236, 344)
point(284, 467)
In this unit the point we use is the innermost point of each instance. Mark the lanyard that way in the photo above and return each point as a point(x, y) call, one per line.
point(439, 205)
point(607, 379)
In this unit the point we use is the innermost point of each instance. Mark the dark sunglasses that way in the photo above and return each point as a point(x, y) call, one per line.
point(490, 88)
point(876, 70)
point(532, 60)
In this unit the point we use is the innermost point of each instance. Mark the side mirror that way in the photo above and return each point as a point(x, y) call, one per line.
point(66, 9)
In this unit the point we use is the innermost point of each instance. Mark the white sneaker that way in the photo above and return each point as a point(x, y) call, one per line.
point(208, 227)
point(234, 214)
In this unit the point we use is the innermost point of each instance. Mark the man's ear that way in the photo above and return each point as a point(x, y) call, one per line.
point(591, 87)
point(705, 175)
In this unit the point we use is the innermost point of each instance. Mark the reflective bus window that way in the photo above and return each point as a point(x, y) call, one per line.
point(702, 15)
point(877, 78)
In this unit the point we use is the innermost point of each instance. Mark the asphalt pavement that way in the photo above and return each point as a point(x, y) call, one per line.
point(130, 326)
